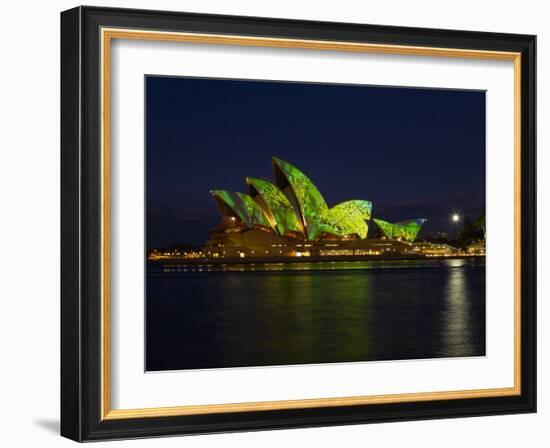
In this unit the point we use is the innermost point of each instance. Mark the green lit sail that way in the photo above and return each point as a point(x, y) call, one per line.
point(409, 229)
point(293, 206)
point(386, 227)
point(278, 208)
point(309, 201)
point(351, 216)
point(243, 206)
point(406, 230)
point(347, 218)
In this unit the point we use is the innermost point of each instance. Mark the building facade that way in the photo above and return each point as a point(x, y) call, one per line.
point(290, 217)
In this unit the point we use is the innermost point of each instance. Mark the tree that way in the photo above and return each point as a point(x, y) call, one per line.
point(480, 223)
point(471, 231)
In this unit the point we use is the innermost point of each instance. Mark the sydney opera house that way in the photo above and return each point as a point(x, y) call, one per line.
point(288, 217)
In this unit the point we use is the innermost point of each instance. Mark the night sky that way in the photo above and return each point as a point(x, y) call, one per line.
point(415, 153)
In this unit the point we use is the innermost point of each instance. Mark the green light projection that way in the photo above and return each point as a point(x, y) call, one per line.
point(347, 218)
point(295, 205)
point(410, 228)
point(275, 203)
point(243, 206)
point(351, 217)
point(386, 227)
point(312, 205)
point(406, 230)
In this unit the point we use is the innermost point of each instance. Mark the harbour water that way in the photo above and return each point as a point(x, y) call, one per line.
point(304, 313)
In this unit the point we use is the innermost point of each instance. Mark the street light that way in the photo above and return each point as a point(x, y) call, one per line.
point(455, 217)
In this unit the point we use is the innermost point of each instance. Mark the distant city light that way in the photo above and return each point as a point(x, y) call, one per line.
point(455, 217)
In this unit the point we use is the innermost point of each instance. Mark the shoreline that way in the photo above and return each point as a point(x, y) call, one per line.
point(310, 259)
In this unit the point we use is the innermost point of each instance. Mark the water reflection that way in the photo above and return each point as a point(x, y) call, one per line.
point(313, 312)
point(177, 267)
point(456, 336)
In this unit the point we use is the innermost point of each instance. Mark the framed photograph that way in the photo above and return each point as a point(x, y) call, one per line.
point(275, 224)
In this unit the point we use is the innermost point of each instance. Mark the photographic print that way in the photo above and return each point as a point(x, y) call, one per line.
point(258, 201)
point(301, 223)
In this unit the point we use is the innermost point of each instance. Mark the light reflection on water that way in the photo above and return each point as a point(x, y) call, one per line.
point(456, 315)
point(300, 313)
point(304, 266)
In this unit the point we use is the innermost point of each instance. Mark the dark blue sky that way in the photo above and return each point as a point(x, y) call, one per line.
point(415, 153)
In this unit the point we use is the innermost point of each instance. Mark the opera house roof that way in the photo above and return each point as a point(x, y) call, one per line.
point(406, 230)
point(293, 206)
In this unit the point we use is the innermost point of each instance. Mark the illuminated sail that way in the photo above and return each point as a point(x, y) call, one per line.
point(351, 216)
point(302, 193)
point(278, 208)
point(241, 206)
point(405, 230)
point(293, 206)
